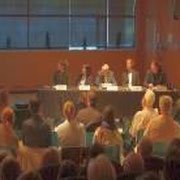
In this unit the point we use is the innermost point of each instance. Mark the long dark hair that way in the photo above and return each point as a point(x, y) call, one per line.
point(108, 117)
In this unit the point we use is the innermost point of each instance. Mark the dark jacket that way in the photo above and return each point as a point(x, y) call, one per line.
point(88, 80)
point(155, 79)
point(35, 133)
point(135, 78)
point(60, 78)
point(110, 78)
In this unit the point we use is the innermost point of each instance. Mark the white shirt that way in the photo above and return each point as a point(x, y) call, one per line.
point(130, 79)
point(71, 134)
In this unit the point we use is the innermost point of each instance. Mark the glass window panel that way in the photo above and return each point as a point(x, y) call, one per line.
point(121, 32)
point(13, 6)
point(13, 32)
point(122, 7)
point(88, 7)
point(47, 7)
point(88, 32)
point(49, 32)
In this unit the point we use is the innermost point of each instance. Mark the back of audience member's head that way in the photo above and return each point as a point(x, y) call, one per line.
point(96, 150)
point(92, 98)
point(108, 116)
point(51, 157)
point(165, 104)
point(68, 169)
point(172, 161)
point(134, 163)
point(101, 168)
point(10, 169)
point(7, 116)
point(145, 147)
point(148, 176)
point(30, 175)
point(35, 106)
point(69, 110)
point(4, 99)
point(148, 99)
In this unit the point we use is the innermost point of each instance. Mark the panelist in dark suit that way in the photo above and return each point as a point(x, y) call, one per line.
point(85, 77)
point(131, 76)
point(35, 132)
point(61, 75)
point(105, 75)
point(155, 76)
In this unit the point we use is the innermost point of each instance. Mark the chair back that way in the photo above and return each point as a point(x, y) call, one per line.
point(113, 153)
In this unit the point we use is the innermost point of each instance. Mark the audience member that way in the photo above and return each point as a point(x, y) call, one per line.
point(151, 162)
point(163, 128)
point(89, 115)
point(82, 101)
point(68, 170)
point(30, 175)
point(10, 169)
point(172, 161)
point(143, 117)
point(108, 134)
point(8, 137)
point(148, 176)
point(4, 99)
point(35, 132)
point(101, 168)
point(50, 164)
point(71, 133)
point(133, 164)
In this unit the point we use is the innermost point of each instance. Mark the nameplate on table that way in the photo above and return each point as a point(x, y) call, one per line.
point(136, 88)
point(112, 88)
point(106, 85)
point(62, 87)
point(84, 87)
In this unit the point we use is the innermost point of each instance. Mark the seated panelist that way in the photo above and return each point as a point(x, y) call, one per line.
point(85, 77)
point(61, 75)
point(155, 76)
point(105, 76)
point(131, 76)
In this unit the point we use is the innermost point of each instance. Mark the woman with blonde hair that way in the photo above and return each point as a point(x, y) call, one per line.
point(143, 117)
point(71, 132)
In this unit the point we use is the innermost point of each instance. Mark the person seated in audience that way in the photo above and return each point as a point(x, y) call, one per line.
point(101, 168)
point(131, 76)
point(107, 133)
point(50, 164)
point(155, 76)
point(163, 128)
point(4, 100)
point(105, 76)
point(30, 175)
point(61, 74)
point(172, 161)
point(71, 132)
point(133, 164)
point(8, 137)
point(89, 115)
point(35, 132)
point(10, 169)
point(151, 163)
point(82, 101)
point(148, 176)
point(143, 117)
point(85, 77)
point(68, 169)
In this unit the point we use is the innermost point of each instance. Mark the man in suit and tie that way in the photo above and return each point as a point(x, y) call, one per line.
point(131, 76)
